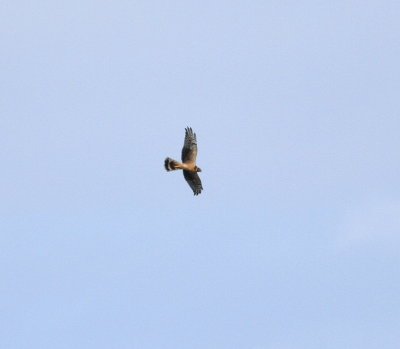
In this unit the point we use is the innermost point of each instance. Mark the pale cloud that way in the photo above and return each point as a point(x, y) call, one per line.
point(371, 223)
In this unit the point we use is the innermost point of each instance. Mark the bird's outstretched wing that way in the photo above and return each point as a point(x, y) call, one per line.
point(189, 150)
point(194, 181)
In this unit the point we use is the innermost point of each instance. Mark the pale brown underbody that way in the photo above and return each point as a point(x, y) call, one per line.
point(187, 167)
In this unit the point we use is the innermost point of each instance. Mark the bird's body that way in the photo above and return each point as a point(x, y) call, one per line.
point(171, 165)
point(188, 164)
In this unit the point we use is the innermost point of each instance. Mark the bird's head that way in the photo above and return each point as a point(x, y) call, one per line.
point(198, 169)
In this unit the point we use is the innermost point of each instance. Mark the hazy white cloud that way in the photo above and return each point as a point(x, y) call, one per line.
point(371, 223)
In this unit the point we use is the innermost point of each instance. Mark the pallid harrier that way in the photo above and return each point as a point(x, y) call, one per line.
point(188, 164)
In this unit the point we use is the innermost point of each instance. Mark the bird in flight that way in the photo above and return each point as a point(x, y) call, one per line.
point(188, 164)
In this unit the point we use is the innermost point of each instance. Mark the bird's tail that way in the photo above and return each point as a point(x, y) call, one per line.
point(171, 164)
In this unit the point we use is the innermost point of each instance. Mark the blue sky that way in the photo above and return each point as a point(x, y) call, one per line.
point(293, 243)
